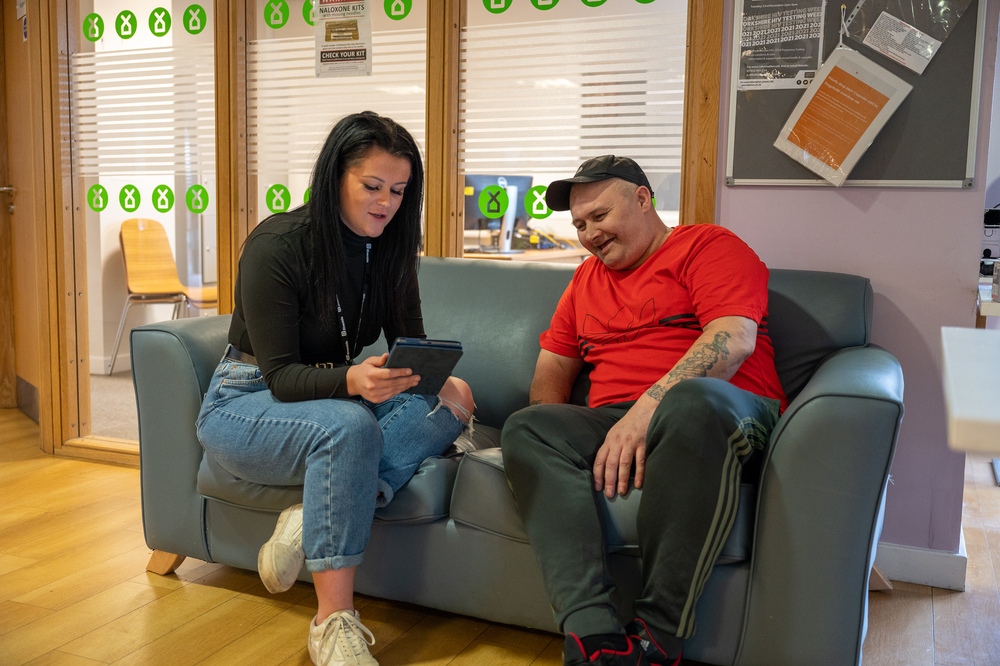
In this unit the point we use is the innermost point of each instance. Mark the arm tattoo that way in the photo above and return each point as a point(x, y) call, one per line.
point(656, 392)
point(534, 402)
point(702, 359)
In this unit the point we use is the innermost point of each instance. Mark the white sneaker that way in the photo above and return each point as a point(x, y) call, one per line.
point(341, 640)
point(281, 558)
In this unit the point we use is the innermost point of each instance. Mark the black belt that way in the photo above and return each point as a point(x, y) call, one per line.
point(234, 354)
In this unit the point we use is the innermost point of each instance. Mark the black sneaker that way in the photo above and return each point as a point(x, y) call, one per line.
point(602, 650)
point(655, 654)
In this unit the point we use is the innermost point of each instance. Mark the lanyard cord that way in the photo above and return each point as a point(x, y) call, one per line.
point(348, 357)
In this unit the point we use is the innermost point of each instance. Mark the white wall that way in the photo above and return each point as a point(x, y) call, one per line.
point(920, 248)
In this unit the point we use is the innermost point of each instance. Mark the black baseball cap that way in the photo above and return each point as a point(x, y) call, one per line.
point(591, 171)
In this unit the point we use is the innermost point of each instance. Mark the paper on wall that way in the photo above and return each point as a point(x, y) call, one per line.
point(343, 33)
point(900, 41)
point(841, 114)
point(779, 43)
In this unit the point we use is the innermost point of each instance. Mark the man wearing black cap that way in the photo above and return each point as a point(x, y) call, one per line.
point(683, 395)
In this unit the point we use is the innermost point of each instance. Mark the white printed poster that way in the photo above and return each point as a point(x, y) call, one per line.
point(900, 41)
point(779, 43)
point(343, 32)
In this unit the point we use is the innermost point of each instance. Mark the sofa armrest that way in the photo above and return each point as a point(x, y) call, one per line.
point(819, 512)
point(171, 365)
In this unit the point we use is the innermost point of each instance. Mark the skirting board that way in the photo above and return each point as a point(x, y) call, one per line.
point(923, 566)
point(99, 364)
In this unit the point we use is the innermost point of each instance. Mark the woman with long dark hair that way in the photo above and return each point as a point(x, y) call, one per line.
point(289, 405)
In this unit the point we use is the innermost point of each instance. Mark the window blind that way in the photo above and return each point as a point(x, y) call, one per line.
point(538, 98)
point(290, 111)
point(144, 111)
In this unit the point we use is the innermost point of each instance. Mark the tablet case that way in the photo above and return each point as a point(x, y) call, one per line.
point(433, 360)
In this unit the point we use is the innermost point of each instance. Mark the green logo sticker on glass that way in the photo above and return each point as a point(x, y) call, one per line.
point(497, 6)
point(159, 22)
point(194, 19)
point(97, 198)
point(309, 11)
point(163, 198)
point(534, 203)
point(645, 2)
point(197, 199)
point(493, 201)
point(129, 198)
point(308, 195)
point(544, 5)
point(276, 13)
point(93, 27)
point(277, 198)
point(398, 10)
point(593, 3)
point(125, 24)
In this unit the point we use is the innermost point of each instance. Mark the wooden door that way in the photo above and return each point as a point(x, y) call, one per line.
point(8, 397)
point(22, 326)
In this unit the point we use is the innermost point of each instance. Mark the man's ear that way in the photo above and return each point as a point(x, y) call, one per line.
point(644, 198)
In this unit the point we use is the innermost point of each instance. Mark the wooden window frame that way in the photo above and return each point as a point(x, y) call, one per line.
point(57, 398)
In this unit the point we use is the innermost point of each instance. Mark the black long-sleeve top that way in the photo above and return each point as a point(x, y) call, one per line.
point(275, 317)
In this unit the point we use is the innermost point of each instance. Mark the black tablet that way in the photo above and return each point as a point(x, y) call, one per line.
point(433, 360)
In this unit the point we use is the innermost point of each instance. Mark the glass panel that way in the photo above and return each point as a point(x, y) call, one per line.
point(543, 90)
point(290, 111)
point(142, 96)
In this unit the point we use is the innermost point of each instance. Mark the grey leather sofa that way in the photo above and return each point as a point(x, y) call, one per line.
point(791, 587)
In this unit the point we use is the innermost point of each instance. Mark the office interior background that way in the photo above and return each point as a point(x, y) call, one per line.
point(231, 105)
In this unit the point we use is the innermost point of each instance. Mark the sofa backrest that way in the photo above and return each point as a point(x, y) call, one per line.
point(497, 309)
point(812, 314)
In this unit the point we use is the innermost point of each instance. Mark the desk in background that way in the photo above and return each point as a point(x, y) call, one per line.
point(560, 256)
point(971, 372)
point(985, 306)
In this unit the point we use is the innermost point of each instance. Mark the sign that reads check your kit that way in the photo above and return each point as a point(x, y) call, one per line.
point(343, 36)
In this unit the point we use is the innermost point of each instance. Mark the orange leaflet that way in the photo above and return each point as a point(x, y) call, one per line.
point(836, 117)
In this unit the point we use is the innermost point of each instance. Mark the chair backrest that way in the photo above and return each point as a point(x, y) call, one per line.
point(149, 263)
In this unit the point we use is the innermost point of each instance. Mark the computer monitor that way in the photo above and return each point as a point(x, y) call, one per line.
point(501, 229)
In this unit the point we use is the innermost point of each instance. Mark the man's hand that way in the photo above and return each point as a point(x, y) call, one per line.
point(625, 442)
point(375, 383)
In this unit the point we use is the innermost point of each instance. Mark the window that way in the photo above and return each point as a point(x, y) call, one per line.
point(542, 90)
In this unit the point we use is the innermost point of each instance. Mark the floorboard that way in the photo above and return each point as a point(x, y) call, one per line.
point(74, 590)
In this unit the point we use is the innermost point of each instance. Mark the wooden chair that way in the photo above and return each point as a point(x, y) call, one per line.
point(151, 274)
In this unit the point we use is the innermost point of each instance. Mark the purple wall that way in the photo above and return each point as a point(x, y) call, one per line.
point(920, 249)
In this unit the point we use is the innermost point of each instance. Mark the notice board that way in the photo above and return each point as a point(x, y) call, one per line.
point(928, 142)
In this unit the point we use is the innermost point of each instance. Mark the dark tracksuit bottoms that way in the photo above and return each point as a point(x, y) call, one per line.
point(701, 435)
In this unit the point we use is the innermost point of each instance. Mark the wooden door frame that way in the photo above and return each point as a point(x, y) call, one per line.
point(63, 300)
point(443, 234)
point(55, 411)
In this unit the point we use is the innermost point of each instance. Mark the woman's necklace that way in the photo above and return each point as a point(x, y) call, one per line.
point(348, 357)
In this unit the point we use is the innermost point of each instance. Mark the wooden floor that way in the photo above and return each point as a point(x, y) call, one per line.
point(74, 590)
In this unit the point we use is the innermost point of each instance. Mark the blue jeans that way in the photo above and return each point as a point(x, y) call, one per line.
point(343, 451)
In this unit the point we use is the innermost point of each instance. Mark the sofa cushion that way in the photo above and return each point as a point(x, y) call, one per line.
point(483, 500)
point(423, 499)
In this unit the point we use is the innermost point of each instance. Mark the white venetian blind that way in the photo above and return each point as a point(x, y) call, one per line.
point(144, 111)
point(290, 111)
point(539, 97)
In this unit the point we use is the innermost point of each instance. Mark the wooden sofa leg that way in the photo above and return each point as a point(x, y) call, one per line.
point(164, 563)
point(878, 581)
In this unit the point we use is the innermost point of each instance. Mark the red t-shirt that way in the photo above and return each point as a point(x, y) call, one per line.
point(634, 325)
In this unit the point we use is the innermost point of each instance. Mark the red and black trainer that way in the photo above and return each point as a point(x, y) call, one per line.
point(602, 650)
point(658, 653)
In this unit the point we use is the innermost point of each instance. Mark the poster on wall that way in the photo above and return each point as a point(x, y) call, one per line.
point(343, 33)
point(908, 33)
point(780, 43)
point(841, 114)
